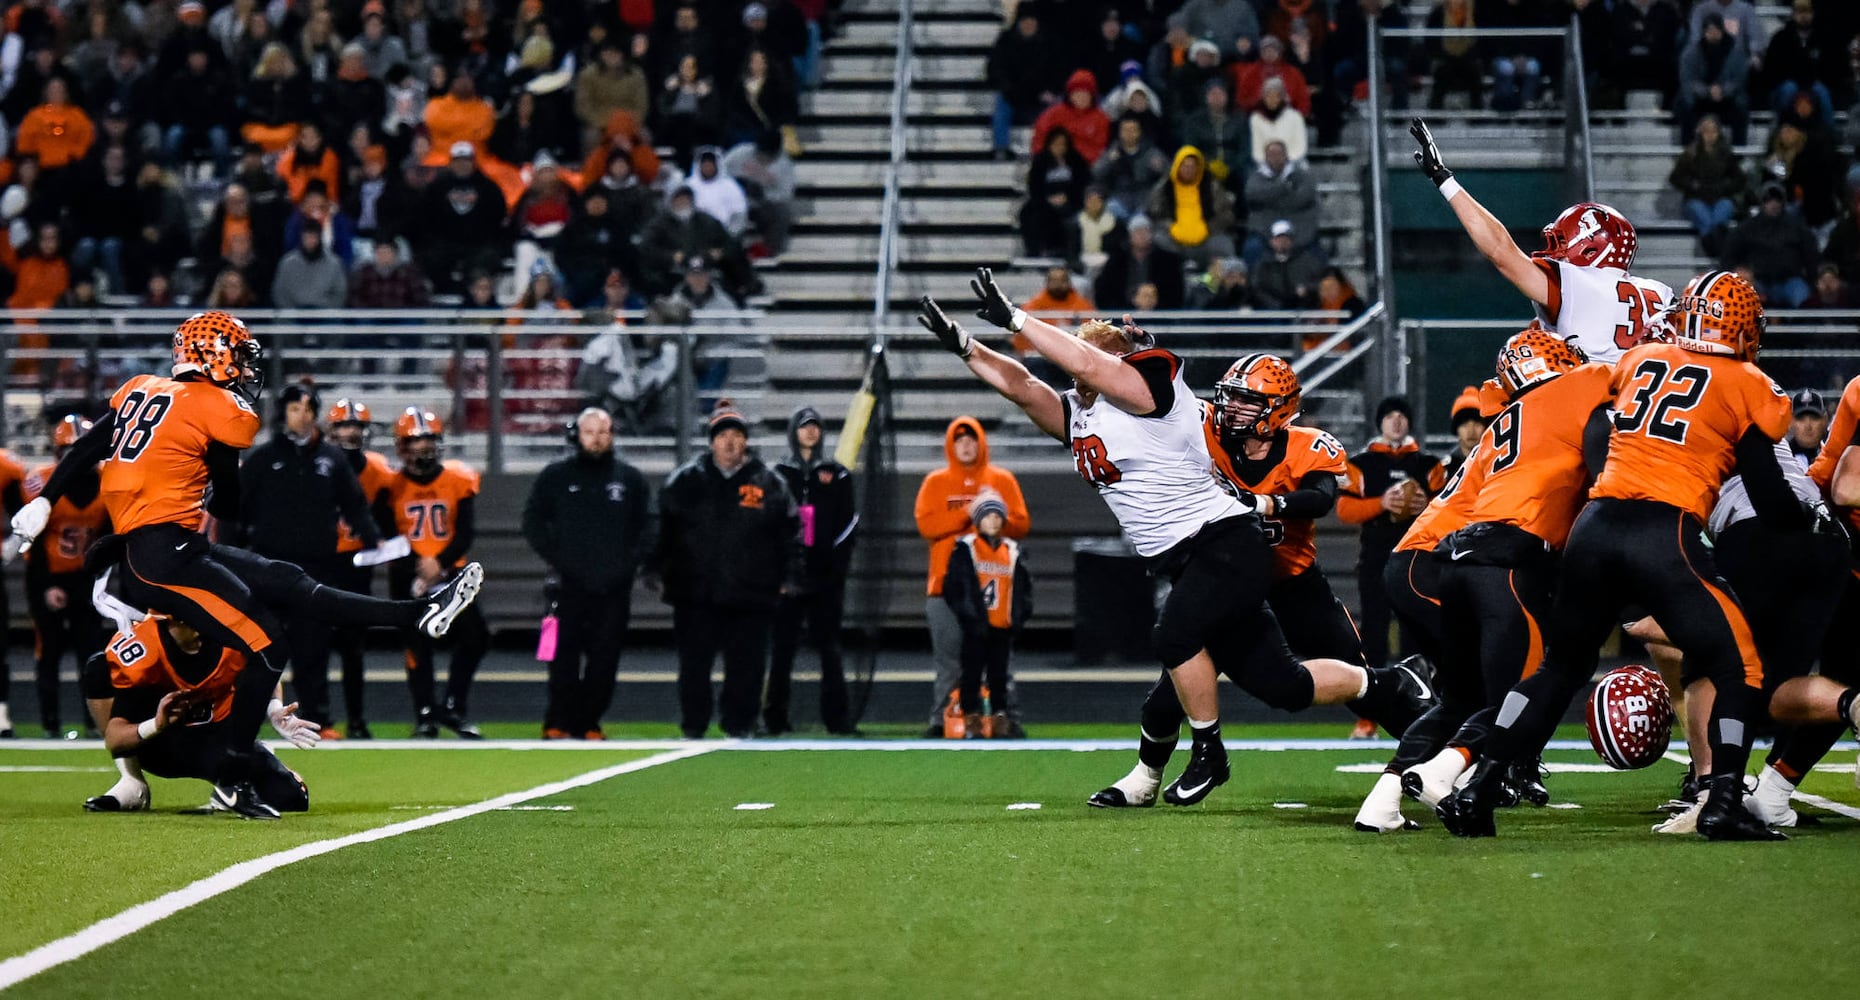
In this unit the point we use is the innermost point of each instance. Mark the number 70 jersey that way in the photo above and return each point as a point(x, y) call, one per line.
point(1678, 417)
point(156, 469)
point(427, 513)
point(1603, 310)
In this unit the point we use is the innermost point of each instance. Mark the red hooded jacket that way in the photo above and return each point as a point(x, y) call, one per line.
point(1090, 129)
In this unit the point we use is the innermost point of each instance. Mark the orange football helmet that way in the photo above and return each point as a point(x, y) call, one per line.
point(418, 435)
point(1535, 355)
point(66, 432)
point(1257, 397)
point(350, 411)
point(217, 345)
point(1590, 234)
point(1718, 313)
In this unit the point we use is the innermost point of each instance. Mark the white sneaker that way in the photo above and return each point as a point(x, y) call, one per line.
point(1682, 823)
point(1431, 781)
point(1770, 801)
point(1381, 811)
point(1134, 790)
point(444, 604)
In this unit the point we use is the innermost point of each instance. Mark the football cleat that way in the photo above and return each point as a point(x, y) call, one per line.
point(1134, 790)
point(550, 733)
point(359, 731)
point(242, 800)
point(1723, 816)
point(1685, 821)
point(1687, 798)
point(1526, 780)
point(1113, 797)
point(1468, 812)
point(1381, 811)
point(425, 725)
point(1770, 801)
point(444, 604)
point(455, 721)
point(124, 796)
point(1207, 770)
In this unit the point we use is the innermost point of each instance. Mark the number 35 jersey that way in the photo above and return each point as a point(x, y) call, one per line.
point(427, 513)
point(1678, 417)
point(156, 470)
point(1603, 310)
point(1152, 471)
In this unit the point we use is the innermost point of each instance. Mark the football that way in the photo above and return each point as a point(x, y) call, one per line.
point(1630, 717)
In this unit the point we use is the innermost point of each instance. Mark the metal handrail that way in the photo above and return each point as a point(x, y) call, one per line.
point(1379, 226)
point(1579, 108)
point(1324, 347)
point(888, 206)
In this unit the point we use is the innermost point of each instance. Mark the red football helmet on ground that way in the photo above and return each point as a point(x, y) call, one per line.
point(1535, 355)
point(1630, 717)
point(1257, 397)
point(1591, 235)
point(1718, 313)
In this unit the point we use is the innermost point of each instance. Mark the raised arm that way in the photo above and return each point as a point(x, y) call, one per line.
point(1103, 371)
point(1488, 234)
point(1002, 373)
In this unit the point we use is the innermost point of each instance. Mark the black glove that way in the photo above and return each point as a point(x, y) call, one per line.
point(1428, 156)
point(995, 308)
point(1140, 339)
point(948, 332)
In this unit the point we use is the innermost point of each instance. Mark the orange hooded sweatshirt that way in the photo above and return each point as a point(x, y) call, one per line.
point(943, 499)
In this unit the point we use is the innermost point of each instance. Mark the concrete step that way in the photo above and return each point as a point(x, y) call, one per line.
point(861, 103)
point(878, 138)
point(928, 36)
point(846, 252)
point(878, 69)
point(840, 213)
point(940, 174)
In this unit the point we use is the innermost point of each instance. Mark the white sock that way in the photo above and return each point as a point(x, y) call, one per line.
point(1363, 691)
point(1140, 778)
point(1387, 791)
point(1770, 802)
point(6, 721)
point(1382, 807)
point(130, 768)
point(1200, 724)
point(1439, 774)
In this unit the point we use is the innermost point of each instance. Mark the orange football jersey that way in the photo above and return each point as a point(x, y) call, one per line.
point(1533, 475)
point(1678, 416)
point(1450, 510)
point(138, 659)
point(156, 471)
point(1840, 437)
point(70, 530)
point(374, 477)
point(1299, 453)
point(424, 511)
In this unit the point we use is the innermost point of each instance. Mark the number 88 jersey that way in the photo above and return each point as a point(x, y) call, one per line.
point(156, 469)
point(1678, 417)
point(1603, 310)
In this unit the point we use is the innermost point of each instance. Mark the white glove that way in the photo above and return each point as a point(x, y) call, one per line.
point(107, 605)
point(9, 549)
point(30, 521)
point(302, 733)
point(389, 550)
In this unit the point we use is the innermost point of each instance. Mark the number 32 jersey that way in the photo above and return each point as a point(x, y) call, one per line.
point(1678, 417)
point(1152, 471)
point(1603, 310)
point(156, 470)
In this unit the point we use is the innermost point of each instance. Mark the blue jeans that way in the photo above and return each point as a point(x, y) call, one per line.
point(1785, 96)
point(807, 64)
point(176, 146)
point(1512, 89)
point(90, 252)
point(1006, 116)
point(1707, 216)
point(1788, 293)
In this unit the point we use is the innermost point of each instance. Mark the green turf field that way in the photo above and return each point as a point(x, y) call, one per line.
point(881, 873)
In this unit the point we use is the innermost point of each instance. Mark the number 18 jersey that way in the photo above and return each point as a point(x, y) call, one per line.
point(1603, 310)
point(1154, 471)
point(156, 469)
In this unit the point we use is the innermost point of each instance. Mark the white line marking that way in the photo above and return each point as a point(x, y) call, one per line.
point(1289, 805)
point(1023, 806)
point(781, 745)
point(47, 769)
point(1563, 805)
point(47, 956)
point(1829, 804)
point(754, 806)
point(1553, 767)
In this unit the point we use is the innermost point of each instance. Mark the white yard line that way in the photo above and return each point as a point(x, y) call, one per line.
point(781, 745)
point(1817, 801)
point(22, 967)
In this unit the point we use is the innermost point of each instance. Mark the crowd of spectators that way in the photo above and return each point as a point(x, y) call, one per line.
point(277, 145)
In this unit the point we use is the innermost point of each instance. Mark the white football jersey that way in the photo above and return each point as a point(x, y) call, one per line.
point(1152, 471)
point(1734, 501)
point(1603, 310)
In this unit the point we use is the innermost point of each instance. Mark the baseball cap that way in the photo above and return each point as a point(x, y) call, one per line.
point(1283, 227)
point(1809, 401)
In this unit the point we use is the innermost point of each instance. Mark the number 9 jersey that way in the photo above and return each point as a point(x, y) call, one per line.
point(1603, 310)
point(1678, 417)
point(155, 471)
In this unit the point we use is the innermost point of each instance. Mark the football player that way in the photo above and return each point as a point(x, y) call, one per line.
point(1686, 414)
point(163, 695)
point(1136, 434)
point(1292, 474)
point(12, 496)
point(1498, 572)
point(56, 584)
point(432, 502)
point(170, 452)
point(350, 422)
point(1579, 281)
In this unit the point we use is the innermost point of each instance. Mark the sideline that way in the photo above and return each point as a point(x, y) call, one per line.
point(780, 745)
point(15, 970)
